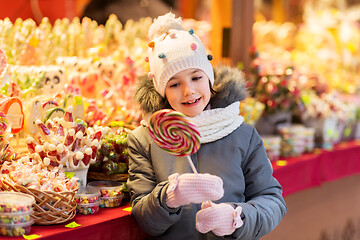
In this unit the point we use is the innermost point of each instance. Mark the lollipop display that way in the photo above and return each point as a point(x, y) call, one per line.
point(175, 134)
point(3, 61)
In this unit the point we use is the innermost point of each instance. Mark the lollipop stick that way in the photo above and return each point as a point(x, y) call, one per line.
point(191, 164)
point(195, 171)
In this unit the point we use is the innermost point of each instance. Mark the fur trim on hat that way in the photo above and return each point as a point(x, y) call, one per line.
point(230, 86)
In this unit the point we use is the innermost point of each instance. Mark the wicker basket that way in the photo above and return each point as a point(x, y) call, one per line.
point(50, 207)
point(102, 176)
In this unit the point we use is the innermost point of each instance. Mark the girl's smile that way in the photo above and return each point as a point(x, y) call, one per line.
point(188, 91)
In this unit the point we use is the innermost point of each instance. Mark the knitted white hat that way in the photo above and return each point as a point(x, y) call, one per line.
point(173, 49)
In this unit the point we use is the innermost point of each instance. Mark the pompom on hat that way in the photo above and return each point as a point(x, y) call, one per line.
point(172, 50)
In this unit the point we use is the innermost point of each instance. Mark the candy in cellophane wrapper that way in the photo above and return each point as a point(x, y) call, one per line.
point(251, 110)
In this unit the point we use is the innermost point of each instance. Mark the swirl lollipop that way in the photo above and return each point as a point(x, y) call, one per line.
point(175, 134)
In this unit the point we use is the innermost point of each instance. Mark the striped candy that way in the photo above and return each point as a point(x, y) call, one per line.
point(174, 133)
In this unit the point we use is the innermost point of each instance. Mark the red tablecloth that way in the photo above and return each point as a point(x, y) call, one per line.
point(107, 224)
point(294, 174)
point(308, 170)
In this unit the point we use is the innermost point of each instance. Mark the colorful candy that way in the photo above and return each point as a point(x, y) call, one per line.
point(3, 61)
point(87, 195)
point(15, 213)
point(109, 202)
point(13, 202)
point(15, 218)
point(107, 188)
point(174, 133)
point(15, 230)
point(90, 208)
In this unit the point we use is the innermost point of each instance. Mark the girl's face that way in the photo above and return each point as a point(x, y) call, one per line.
point(188, 91)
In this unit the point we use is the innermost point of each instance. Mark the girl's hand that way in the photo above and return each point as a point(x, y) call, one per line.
point(193, 188)
point(222, 219)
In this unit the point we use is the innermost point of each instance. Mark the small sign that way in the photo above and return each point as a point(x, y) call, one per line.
point(281, 163)
point(73, 225)
point(69, 174)
point(128, 209)
point(32, 236)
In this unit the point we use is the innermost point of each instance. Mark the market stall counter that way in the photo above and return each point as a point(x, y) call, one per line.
point(108, 223)
point(321, 194)
point(296, 174)
point(313, 169)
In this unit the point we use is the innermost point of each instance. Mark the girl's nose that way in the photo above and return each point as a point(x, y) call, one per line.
point(188, 90)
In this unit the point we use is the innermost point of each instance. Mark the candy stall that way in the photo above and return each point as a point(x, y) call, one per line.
point(66, 110)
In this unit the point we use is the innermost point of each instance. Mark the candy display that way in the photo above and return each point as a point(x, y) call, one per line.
point(29, 171)
point(3, 61)
point(87, 200)
point(66, 143)
point(296, 139)
point(111, 192)
point(6, 152)
point(90, 208)
point(86, 195)
point(15, 218)
point(80, 56)
point(66, 96)
point(309, 134)
point(272, 146)
point(37, 80)
point(15, 211)
point(11, 202)
point(109, 202)
point(15, 230)
point(112, 156)
point(107, 188)
point(251, 109)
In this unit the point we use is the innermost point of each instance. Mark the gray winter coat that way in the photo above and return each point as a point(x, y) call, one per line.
point(239, 159)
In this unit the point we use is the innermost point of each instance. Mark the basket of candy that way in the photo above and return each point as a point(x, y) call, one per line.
point(50, 207)
point(52, 190)
point(112, 157)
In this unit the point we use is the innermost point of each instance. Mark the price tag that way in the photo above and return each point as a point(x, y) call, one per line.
point(73, 225)
point(128, 209)
point(69, 174)
point(281, 163)
point(32, 236)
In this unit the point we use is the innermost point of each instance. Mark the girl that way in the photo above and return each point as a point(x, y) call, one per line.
point(168, 200)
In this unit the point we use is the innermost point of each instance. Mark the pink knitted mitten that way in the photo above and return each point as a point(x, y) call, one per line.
point(193, 188)
point(222, 219)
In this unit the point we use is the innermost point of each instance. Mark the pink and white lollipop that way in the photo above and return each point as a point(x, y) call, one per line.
point(174, 133)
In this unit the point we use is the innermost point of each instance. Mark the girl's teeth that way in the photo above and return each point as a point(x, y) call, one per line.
point(192, 101)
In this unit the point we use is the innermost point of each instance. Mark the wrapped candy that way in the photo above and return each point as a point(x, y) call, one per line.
point(66, 143)
point(29, 171)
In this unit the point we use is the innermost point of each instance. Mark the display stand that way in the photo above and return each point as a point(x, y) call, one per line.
point(310, 182)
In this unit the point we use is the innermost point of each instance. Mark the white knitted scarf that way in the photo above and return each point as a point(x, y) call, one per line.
point(217, 123)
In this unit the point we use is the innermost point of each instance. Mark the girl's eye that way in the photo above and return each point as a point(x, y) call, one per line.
point(174, 85)
point(196, 78)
